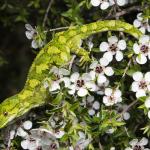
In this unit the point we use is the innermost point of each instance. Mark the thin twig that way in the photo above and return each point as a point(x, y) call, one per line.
point(125, 71)
point(100, 146)
point(56, 29)
point(128, 107)
point(71, 62)
point(47, 11)
point(125, 11)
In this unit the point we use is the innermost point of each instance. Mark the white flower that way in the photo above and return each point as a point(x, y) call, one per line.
point(120, 109)
point(142, 23)
point(142, 49)
point(122, 2)
point(147, 102)
point(118, 2)
point(82, 143)
point(141, 85)
point(40, 139)
point(27, 125)
point(32, 34)
point(112, 96)
point(112, 148)
point(91, 104)
point(136, 144)
point(149, 114)
point(99, 69)
point(104, 4)
point(81, 84)
point(110, 131)
point(59, 74)
point(101, 87)
point(113, 47)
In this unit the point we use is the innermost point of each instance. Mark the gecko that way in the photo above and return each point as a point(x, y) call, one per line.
point(57, 52)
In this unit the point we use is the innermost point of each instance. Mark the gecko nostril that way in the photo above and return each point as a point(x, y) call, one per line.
point(5, 113)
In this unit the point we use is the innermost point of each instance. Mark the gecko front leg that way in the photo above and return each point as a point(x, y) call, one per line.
point(85, 58)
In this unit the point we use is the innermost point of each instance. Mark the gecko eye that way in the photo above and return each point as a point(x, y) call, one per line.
point(5, 113)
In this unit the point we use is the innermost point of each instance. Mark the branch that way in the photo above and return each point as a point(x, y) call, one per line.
point(47, 11)
point(125, 11)
point(128, 107)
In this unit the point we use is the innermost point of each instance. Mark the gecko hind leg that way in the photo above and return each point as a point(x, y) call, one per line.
point(85, 58)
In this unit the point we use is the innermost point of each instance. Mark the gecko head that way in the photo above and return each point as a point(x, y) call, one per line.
point(8, 110)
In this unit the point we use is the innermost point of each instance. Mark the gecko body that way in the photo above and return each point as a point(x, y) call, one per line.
point(56, 52)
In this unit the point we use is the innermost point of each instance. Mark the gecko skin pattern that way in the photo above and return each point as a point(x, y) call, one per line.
point(56, 52)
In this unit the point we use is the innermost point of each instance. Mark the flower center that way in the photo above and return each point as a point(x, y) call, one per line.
point(113, 47)
point(143, 85)
point(98, 69)
point(53, 146)
point(144, 49)
point(39, 148)
point(145, 24)
point(111, 98)
point(80, 83)
point(137, 147)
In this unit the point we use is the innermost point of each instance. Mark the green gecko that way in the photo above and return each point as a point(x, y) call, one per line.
point(56, 52)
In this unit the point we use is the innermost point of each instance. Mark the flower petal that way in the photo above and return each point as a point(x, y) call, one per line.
point(108, 56)
point(96, 105)
point(27, 125)
point(66, 81)
point(139, 16)
point(103, 61)
point(103, 46)
point(34, 44)
point(64, 71)
point(142, 29)
point(82, 92)
point(29, 34)
point(95, 3)
point(136, 48)
point(117, 93)
point(143, 141)
point(108, 91)
point(122, 44)
point(112, 39)
point(137, 76)
point(21, 132)
point(135, 86)
point(147, 103)
point(119, 56)
point(140, 93)
point(25, 144)
point(149, 114)
point(126, 116)
point(54, 86)
point(109, 71)
point(121, 2)
point(74, 77)
point(86, 77)
point(91, 112)
point(144, 39)
point(133, 142)
point(93, 75)
point(104, 5)
point(101, 79)
point(93, 64)
point(147, 77)
point(90, 99)
point(141, 59)
point(137, 23)
point(91, 86)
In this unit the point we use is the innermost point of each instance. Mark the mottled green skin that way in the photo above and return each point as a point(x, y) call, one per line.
point(56, 52)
